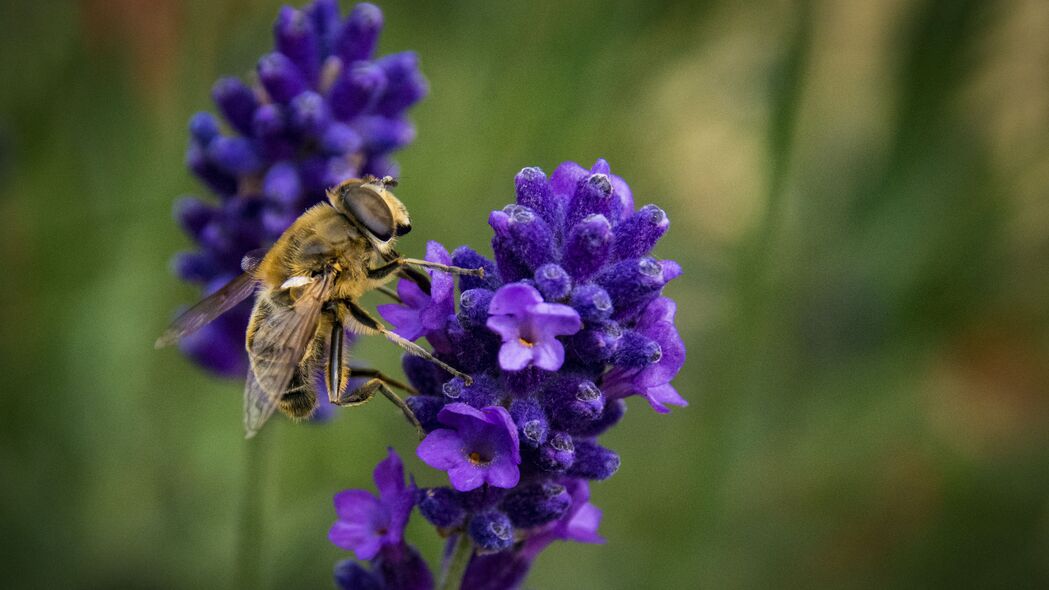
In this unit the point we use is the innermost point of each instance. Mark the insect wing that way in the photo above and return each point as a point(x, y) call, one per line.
point(258, 406)
point(208, 309)
point(277, 349)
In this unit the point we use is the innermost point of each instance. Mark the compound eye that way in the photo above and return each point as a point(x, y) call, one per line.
point(371, 210)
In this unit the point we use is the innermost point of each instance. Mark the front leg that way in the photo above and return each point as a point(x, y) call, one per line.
point(399, 263)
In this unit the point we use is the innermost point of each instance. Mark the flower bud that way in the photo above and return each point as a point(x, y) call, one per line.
point(592, 461)
point(441, 506)
point(536, 504)
point(405, 84)
point(557, 454)
point(357, 89)
point(426, 408)
point(531, 421)
point(360, 33)
point(203, 128)
point(492, 531)
point(473, 307)
point(637, 234)
point(592, 195)
point(466, 257)
point(592, 302)
point(236, 102)
point(281, 79)
point(553, 282)
point(294, 37)
point(636, 351)
point(533, 191)
point(588, 246)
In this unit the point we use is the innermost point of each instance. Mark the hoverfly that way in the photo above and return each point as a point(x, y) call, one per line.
point(307, 289)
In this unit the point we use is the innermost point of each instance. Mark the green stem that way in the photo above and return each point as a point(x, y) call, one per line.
point(452, 577)
point(250, 528)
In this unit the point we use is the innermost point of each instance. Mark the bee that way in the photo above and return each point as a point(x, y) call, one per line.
point(307, 287)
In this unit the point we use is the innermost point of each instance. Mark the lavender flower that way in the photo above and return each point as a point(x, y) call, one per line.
point(568, 321)
point(529, 328)
point(480, 447)
point(373, 528)
point(368, 523)
point(421, 314)
point(322, 110)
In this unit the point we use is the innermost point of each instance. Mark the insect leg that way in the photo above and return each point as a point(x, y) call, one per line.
point(410, 273)
point(365, 392)
point(365, 319)
point(362, 372)
point(333, 377)
point(455, 270)
point(399, 263)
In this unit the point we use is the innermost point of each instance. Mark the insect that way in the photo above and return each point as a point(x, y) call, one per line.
point(307, 288)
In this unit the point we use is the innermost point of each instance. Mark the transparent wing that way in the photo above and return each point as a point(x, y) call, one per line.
point(258, 407)
point(277, 349)
point(208, 309)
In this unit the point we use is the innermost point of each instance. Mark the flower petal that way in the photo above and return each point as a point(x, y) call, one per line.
point(555, 319)
point(461, 416)
point(661, 309)
point(362, 540)
point(441, 449)
point(412, 295)
point(514, 356)
point(503, 472)
point(389, 477)
point(356, 506)
point(514, 299)
point(659, 397)
point(506, 326)
point(582, 526)
point(466, 477)
point(499, 417)
point(405, 320)
point(548, 354)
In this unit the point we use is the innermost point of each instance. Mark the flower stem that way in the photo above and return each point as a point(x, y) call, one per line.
point(250, 529)
point(452, 576)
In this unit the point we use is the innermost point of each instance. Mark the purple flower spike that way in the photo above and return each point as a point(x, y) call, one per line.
point(367, 523)
point(529, 328)
point(568, 320)
point(480, 447)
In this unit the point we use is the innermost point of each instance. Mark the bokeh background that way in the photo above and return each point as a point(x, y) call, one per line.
point(858, 194)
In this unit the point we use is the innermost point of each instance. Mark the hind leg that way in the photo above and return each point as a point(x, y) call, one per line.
point(365, 392)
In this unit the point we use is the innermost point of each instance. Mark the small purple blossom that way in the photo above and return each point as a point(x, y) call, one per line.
point(368, 523)
point(480, 447)
point(529, 328)
point(652, 381)
point(422, 314)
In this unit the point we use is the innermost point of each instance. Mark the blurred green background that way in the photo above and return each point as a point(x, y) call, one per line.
point(858, 194)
